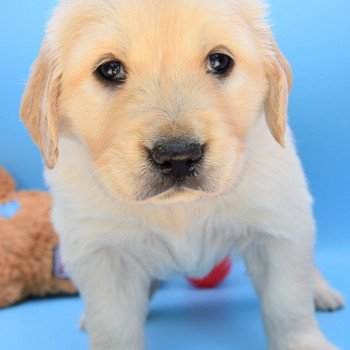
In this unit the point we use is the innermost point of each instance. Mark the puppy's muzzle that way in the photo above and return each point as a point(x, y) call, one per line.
point(177, 159)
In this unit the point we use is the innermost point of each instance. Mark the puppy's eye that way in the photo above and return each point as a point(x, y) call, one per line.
point(219, 64)
point(112, 71)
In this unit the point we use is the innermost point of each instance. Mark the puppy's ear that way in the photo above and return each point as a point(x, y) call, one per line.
point(39, 105)
point(280, 81)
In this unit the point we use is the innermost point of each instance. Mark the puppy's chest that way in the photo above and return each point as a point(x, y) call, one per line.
point(188, 242)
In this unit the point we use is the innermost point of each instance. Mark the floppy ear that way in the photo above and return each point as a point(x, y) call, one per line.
point(39, 106)
point(280, 79)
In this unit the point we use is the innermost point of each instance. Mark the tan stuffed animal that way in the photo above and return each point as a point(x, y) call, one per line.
point(27, 244)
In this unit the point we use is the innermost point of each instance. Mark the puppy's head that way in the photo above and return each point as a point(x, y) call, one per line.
point(160, 93)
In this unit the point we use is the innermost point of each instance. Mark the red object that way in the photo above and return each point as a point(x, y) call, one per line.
point(215, 276)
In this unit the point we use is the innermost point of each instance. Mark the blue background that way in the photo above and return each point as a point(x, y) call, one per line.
point(314, 36)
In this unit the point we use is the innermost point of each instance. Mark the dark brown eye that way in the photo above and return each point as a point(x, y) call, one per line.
point(112, 71)
point(219, 64)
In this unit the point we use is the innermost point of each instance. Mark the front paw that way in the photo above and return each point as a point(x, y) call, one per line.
point(327, 299)
point(106, 342)
point(119, 346)
point(311, 344)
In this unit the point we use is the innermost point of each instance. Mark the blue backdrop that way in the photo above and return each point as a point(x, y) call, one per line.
point(315, 36)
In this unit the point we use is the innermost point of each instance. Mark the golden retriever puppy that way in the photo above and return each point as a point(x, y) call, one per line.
point(164, 130)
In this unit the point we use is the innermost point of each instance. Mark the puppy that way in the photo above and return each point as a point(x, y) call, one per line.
point(163, 126)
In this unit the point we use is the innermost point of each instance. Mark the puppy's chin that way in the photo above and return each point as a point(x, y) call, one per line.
point(164, 189)
point(176, 194)
point(179, 193)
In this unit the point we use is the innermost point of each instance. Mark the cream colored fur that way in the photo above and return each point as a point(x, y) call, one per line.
point(118, 230)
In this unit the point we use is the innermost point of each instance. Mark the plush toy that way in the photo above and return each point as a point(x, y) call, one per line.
point(27, 246)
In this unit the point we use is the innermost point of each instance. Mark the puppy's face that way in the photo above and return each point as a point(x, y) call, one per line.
point(161, 94)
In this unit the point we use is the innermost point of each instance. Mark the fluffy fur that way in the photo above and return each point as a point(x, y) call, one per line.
point(27, 241)
point(121, 224)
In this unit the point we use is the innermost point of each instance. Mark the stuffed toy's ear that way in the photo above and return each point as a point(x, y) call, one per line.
point(7, 185)
point(39, 105)
point(280, 81)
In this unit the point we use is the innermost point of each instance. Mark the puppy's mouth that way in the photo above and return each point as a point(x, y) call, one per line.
point(165, 186)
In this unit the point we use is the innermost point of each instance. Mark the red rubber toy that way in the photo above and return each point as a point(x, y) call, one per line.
point(215, 276)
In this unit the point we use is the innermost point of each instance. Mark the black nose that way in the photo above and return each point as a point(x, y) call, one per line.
point(176, 158)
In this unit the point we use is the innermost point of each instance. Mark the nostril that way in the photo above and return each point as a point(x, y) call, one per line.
point(190, 164)
point(166, 164)
point(166, 167)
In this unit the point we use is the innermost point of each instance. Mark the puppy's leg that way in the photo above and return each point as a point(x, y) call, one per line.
point(152, 290)
point(326, 298)
point(281, 271)
point(115, 289)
